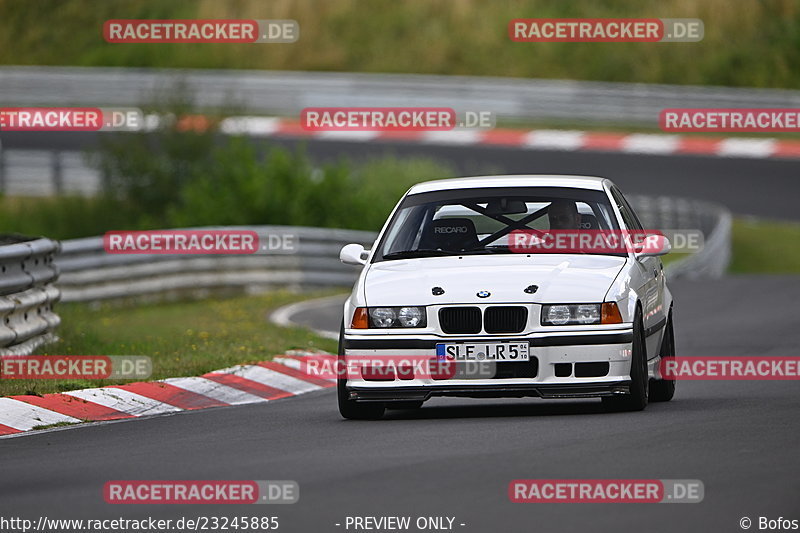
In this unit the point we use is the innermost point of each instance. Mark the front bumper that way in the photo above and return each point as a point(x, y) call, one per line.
point(400, 394)
point(587, 364)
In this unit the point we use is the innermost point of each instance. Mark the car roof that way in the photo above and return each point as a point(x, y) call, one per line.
point(523, 180)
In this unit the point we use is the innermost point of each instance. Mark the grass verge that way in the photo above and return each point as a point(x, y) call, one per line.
point(184, 338)
point(765, 247)
point(58, 425)
point(760, 247)
point(673, 258)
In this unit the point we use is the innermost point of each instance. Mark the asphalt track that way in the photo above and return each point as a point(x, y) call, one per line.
point(767, 188)
point(456, 457)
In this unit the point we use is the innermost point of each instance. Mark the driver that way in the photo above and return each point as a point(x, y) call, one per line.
point(563, 214)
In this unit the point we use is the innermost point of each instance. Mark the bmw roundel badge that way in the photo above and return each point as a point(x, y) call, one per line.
point(484, 294)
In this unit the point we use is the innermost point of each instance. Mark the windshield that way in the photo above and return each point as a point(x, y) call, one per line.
point(479, 221)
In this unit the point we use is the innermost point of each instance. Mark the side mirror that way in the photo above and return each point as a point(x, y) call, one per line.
point(654, 245)
point(353, 254)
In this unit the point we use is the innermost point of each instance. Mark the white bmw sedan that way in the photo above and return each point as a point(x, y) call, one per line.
point(483, 287)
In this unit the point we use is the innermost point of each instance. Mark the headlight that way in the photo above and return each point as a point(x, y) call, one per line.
point(587, 314)
point(555, 315)
point(397, 317)
point(410, 317)
point(382, 317)
point(572, 314)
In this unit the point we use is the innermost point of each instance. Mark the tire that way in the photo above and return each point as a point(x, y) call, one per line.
point(348, 408)
point(662, 390)
point(411, 404)
point(637, 399)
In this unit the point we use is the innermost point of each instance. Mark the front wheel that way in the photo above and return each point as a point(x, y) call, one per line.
point(637, 399)
point(348, 408)
point(662, 390)
point(353, 410)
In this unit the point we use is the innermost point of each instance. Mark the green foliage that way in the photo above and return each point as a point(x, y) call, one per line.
point(238, 187)
point(747, 43)
point(65, 217)
point(765, 246)
point(170, 177)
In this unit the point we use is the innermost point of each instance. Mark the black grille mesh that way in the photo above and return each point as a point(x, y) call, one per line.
point(460, 320)
point(506, 319)
point(497, 319)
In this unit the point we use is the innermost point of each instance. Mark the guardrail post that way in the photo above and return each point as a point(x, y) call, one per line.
point(27, 295)
point(58, 173)
point(105, 179)
point(2, 169)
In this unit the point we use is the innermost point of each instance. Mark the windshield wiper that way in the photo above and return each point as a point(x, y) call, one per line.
point(422, 252)
point(499, 249)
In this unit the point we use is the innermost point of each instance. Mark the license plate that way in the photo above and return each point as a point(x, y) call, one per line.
point(499, 353)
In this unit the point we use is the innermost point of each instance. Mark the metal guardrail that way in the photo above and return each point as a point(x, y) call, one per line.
point(287, 93)
point(88, 273)
point(46, 173)
point(713, 220)
point(27, 294)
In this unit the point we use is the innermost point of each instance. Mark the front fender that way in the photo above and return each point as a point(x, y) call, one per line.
point(626, 289)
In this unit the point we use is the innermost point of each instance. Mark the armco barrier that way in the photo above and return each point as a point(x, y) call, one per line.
point(287, 93)
point(713, 220)
point(89, 273)
point(27, 294)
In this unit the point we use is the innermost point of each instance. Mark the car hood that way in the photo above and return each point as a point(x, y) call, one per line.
point(559, 278)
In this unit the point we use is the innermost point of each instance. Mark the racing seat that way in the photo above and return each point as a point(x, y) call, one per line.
point(450, 235)
point(589, 222)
